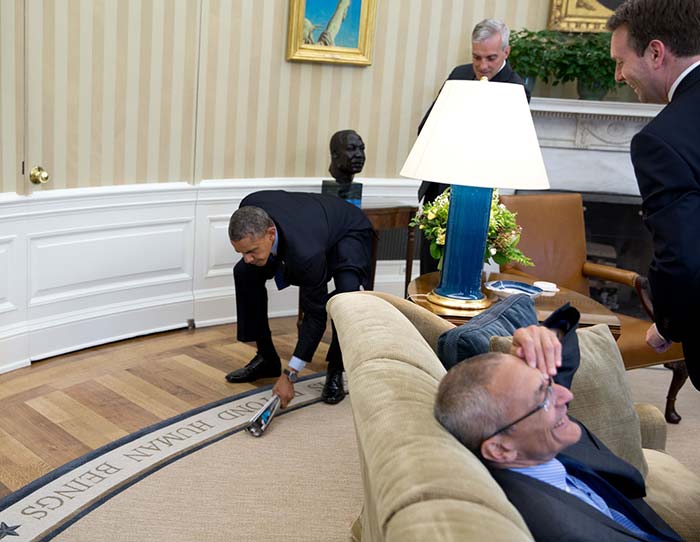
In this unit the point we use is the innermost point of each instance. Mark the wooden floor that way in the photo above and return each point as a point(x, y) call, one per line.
point(58, 409)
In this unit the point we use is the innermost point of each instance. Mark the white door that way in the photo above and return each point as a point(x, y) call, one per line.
point(14, 345)
point(110, 90)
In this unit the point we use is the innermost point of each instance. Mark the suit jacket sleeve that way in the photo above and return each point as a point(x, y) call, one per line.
point(671, 206)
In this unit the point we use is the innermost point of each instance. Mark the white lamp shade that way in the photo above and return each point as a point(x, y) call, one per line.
point(479, 134)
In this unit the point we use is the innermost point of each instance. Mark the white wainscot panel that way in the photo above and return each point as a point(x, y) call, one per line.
point(14, 346)
point(87, 262)
point(8, 286)
point(88, 286)
point(221, 257)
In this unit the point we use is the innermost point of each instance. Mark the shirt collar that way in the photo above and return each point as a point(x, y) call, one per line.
point(275, 243)
point(552, 472)
point(501, 68)
point(680, 78)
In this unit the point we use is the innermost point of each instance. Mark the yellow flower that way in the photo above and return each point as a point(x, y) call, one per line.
point(440, 239)
point(431, 215)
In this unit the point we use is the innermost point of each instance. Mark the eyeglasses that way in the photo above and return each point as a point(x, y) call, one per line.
point(544, 405)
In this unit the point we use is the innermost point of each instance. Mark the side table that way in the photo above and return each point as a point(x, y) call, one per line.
point(591, 311)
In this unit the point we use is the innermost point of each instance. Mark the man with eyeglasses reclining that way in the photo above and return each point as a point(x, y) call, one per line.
point(564, 482)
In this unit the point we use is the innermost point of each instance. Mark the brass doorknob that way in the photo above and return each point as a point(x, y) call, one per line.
point(38, 175)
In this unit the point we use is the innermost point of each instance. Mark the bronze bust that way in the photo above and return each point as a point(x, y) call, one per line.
point(347, 155)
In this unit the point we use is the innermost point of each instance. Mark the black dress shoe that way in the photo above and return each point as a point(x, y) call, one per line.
point(257, 368)
point(333, 391)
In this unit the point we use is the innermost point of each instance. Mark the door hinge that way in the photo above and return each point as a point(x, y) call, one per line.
point(22, 167)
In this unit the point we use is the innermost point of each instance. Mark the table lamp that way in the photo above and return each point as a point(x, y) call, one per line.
point(479, 135)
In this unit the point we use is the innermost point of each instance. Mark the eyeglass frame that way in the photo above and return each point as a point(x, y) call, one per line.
point(544, 405)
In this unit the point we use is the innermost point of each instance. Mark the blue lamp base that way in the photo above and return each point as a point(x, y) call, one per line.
point(465, 243)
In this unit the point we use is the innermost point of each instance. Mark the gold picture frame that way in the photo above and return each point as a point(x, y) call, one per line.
point(351, 22)
point(578, 16)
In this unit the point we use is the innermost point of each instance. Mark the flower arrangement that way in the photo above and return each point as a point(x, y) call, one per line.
point(502, 238)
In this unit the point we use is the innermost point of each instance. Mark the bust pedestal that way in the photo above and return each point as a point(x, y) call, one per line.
point(350, 192)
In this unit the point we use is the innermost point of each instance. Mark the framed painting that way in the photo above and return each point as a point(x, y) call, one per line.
point(579, 15)
point(337, 31)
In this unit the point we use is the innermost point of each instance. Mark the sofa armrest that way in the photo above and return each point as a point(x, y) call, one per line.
point(429, 325)
point(653, 426)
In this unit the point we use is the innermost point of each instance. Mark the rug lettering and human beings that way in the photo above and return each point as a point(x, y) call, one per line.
point(201, 477)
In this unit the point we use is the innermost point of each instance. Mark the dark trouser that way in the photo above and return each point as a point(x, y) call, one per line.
point(251, 308)
point(691, 351)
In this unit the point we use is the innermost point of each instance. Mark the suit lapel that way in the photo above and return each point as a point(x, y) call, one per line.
point(614, 498)
point(506, 478)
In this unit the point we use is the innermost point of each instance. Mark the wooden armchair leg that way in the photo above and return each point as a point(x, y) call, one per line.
point(680, 375)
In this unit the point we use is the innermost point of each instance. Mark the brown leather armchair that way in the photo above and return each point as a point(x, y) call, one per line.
point(554, 237)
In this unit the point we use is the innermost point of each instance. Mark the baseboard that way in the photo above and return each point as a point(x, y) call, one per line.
point(67, 333)
point(14, 345)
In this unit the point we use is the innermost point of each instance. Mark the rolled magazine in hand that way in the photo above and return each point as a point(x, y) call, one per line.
point(262, 418)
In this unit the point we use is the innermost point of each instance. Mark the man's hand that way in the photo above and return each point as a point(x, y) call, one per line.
point(284, 389)
point(656, 341)
point(539, 347)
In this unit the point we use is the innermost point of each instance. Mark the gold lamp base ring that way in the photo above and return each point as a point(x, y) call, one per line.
point(459, 304)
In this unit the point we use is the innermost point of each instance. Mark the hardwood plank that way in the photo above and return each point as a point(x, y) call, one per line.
point(75, 418)
point(144, 394)
point(18, 464)
point(206, 375)
point(4, 490)
point(47, 440)
point(112, 406)
point(170, 378)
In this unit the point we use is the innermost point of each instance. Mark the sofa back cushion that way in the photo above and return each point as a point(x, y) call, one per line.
point(602, 397)
point(473, 337)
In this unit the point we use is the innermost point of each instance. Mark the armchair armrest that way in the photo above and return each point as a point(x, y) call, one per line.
point(622, 276)
point(613, 274)
point(653, 426)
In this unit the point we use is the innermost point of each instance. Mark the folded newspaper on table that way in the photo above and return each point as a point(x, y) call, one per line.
point(262, 418)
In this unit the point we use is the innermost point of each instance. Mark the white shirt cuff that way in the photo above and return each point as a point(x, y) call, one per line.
point(296, 364)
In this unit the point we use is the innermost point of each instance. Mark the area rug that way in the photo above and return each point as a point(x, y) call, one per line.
point(201, 477)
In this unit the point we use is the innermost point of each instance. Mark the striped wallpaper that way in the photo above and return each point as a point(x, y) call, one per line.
point(132, 91)
point(11, 94)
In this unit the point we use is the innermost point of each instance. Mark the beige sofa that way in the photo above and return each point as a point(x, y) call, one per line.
point(420, 483)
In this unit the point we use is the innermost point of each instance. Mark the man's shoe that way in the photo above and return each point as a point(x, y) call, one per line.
point(257, 368)
point(333, 391)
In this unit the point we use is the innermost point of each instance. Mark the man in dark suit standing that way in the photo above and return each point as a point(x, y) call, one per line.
point(656, 44)
point(564, 482)
point(490, 52)
point(305, 240)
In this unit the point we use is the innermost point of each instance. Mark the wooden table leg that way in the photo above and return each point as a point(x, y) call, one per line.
point(680, 375)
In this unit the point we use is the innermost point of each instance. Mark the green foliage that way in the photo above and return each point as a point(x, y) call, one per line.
point(503, 233)
point(559, 57)
point(530, 52)
point(504, 236)
point(431, 219)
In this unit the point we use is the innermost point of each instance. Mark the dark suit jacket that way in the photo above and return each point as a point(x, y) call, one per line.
point(465, 72)
point(666, 159)
point(554, 515)
point(313, 230)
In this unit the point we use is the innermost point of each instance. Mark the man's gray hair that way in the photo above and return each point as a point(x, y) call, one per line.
point(464, 406)
point(490, 27)
point(248, 221)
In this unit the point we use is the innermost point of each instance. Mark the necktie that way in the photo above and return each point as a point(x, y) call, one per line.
point(280, 281)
